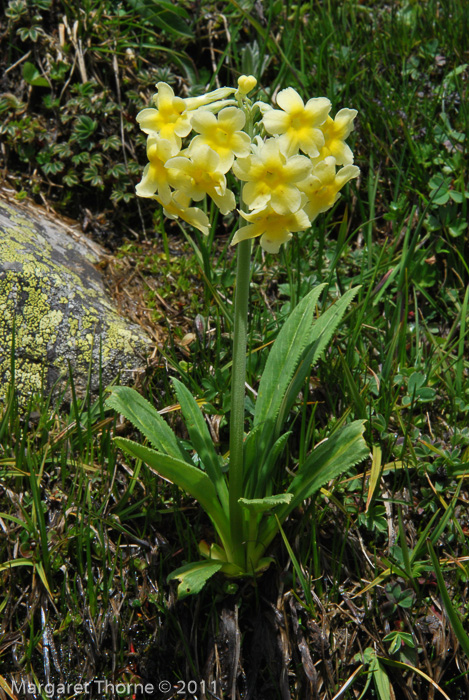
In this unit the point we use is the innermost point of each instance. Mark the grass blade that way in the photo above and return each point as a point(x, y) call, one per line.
point(456, 624)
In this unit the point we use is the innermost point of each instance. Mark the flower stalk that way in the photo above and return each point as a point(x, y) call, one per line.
point(238, 381)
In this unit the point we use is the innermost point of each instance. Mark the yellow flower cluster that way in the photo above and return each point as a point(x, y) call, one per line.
point(288, 160)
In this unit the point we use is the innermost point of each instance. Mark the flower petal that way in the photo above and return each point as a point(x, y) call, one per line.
point(290, 100)
point(149, 120)
point(341, 152)
point(255, 195)
point(285, 199)
point(344, 121)
point(297, 168)
point(245, 232)
point(317, 109)
point(271, 245)
point(225, 202)
point(202, 121)
point(232, 119)
point(178, 208)
point(240, 144)
point(192, 103)
point(276, 122)
point(346, 174)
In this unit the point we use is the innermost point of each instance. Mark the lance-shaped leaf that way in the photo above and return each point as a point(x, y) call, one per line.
point(201, 440)
point(146, 419)
point(257, 506)
point(340, 452)
point(343, 450)
point(260, 476)
point(193, 577)
point(189, 478)
point(297, 347)
point(284, 357)
point(251, 450)
point(319, 338)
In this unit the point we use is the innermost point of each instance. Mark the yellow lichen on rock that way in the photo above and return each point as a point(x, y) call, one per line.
point(61, 313)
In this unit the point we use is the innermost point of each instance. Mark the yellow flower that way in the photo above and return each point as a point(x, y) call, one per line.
point(155, 178)
point(297, 123)
point(335, 132)
point(200, 173)
point(273, 228)
point(169, 120)
point(246, 83)
point(178, 208)
point(323, 184)
point(271, 177)
point(223, 135)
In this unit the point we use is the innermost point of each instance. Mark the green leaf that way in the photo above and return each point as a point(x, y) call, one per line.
point(441, 198)
point(118, 170)
point(343, 450)
point(32, 76)
point(296, 565)
point(14, 519)
point(92, 175)
point(16, 562)
point(261, 505)
point(297, 347)
point(168, 17)
point(282, 362)
point(457, 228)
point(71, 178)
point(336, 455)
point(96, 159)
point(80, 158)
point(416, 380)
point(453, 616)
point(189, 478)
point(85, 126)
point(456, 196)
point(413, 669)
point(193, 577)
point(201, 440)
point(251, 449)
point(146, 419)
point(263, 476)
point(319, 338)
point(284, 356)
point(381, 680)
point(426, 394)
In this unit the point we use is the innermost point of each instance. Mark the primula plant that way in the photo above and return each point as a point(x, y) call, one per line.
point(292, 163)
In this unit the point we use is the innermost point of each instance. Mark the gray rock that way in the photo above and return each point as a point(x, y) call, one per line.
point(53, 293)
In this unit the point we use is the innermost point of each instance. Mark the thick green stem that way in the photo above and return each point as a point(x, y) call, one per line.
point(238, 380)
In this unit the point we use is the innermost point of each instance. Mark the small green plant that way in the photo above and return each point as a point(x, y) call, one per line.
point(398, 597)
point(372, 666)
point(285, 191)
point(398, 640)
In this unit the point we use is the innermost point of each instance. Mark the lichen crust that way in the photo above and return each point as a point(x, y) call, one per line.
point(54, 299)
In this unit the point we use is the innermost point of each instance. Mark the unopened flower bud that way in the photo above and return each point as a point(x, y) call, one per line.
point(246, 83)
